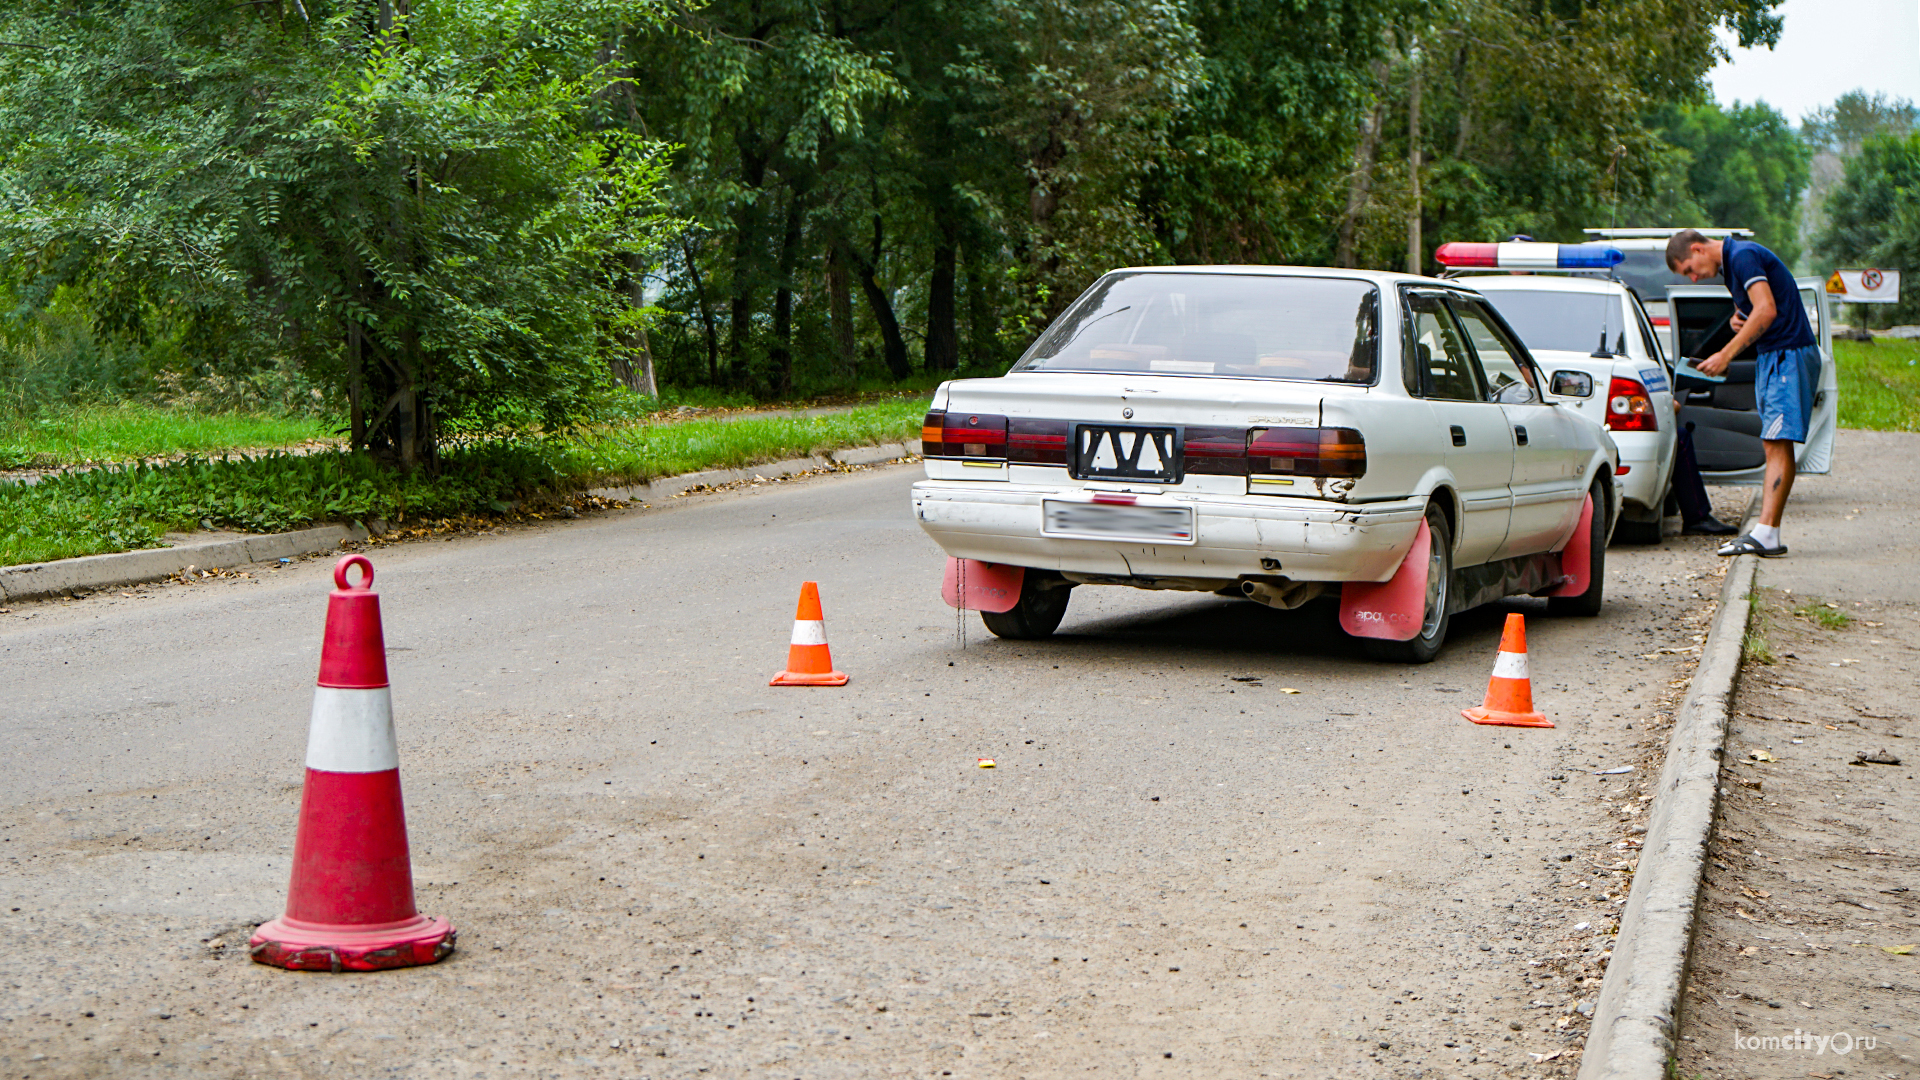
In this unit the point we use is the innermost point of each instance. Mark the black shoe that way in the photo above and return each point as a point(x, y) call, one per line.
point(1708, 526)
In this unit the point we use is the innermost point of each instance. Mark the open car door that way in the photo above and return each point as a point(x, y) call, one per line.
point(1724, 417)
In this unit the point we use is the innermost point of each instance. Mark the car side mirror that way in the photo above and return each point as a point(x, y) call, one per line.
point(1515, 393)
point(1572, 384)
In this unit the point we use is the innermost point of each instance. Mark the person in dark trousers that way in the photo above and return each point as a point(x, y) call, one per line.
point(1768, 316)
point(1690, 491)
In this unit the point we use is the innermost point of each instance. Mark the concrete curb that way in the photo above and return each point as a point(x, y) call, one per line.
point(1635, 1020)
point(34, 581)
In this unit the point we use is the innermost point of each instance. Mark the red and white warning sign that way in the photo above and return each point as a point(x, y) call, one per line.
point(1864, 286)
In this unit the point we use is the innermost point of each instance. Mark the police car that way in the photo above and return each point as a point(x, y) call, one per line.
point(1602, 355)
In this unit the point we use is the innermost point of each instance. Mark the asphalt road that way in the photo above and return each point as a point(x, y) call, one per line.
point(662, 867)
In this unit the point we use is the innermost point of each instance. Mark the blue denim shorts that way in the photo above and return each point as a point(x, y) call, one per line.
point(1787, 382)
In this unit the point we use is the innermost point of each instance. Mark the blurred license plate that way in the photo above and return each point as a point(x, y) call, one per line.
point(1110, 521)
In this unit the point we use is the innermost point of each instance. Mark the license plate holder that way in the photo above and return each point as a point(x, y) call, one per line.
point(1151, 523)
point(1126, 452)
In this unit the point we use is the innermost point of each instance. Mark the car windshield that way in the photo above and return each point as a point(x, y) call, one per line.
point(1646, 273)
point(1239, 325)
point(1554, 320)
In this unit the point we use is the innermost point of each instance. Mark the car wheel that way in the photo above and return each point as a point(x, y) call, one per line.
point(1636, 532)
point(1588, 603)
point(1434, 621)
point(1042, 604)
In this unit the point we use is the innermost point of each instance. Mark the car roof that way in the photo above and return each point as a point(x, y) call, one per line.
point(1378, 277)
point(1547, 283)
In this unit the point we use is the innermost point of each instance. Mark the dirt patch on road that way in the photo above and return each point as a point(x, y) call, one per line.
point(1809, 910)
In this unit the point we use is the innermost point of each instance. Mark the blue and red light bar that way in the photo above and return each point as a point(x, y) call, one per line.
point(1529, 256)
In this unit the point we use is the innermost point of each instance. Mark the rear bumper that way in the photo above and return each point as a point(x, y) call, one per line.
point(1648, 457)
point(1301, 539)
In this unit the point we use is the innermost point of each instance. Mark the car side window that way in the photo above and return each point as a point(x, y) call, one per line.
point(1499, 357)
point(1648, 339)
point(1440, 352)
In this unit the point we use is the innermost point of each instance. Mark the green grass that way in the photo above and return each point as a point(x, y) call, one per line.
point(127, 431)
point(1828, 615)
point(642, 452)
point(120, 508)
point(1879, 384)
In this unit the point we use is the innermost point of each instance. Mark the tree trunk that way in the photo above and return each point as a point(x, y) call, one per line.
point(783, 297)
point(631, 362)
point(1360, 184)
point(983, 325)
point(894, 346)
point(943, 335)
point(840, 314)
point(746, 238)
point(706, 313)
point(1416, 256)
point(356, 389)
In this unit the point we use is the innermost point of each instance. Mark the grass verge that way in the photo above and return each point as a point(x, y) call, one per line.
point(126, 431)
point(122, 508)
point(1879, 384)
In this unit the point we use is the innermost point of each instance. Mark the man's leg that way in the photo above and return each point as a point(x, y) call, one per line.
point(1780, 474)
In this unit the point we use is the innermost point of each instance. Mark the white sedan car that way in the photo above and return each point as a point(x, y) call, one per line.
point(1604, 360)
point(1279, 433)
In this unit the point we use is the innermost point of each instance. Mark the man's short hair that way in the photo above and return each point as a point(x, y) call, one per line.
point(1680, 245)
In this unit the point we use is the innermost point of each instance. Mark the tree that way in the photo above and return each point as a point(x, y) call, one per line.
point(408, 203)
point(1854, 118)
point(1745, 168)
point(1873, 217)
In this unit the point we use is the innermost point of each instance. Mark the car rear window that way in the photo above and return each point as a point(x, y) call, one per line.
point(1239, 326)
point(1646, 273)
point(1555, 321)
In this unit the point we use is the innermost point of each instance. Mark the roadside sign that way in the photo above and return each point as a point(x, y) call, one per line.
point(1865, 286)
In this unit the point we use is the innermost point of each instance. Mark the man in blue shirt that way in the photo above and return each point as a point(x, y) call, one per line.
point(1768, 316)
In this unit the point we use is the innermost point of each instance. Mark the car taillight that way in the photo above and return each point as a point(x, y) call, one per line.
point(1214, 451)
point(964, 435)
point(1037, 442)
point(1629, 408)
point(1325, 452)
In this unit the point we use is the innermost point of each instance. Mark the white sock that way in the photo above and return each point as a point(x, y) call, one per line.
point(1768, 535)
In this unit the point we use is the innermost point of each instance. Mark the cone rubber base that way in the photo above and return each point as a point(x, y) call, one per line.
point(1483, 715)
point(302, 946)
point(802, 678)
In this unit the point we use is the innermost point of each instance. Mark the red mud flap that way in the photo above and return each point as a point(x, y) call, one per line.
point(1395, 608)
point(300, 946)
point(991, 587)
point(1576, 559)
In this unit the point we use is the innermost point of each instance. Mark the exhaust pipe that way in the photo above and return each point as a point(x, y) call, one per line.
point(1283, 594)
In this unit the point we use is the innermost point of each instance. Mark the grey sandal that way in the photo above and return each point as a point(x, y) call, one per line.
point(1747, 545)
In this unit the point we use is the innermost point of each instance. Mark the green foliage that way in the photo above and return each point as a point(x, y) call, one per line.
point(1745, 168)
point(1879, 384)
point(1873, 217)
point(413, 205)
point(1855, 117)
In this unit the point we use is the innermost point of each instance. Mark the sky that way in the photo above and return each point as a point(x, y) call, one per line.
point(1827, 48)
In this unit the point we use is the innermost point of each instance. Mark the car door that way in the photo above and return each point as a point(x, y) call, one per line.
point(1480, 446)
point(1724, 417)
point(1547, 449)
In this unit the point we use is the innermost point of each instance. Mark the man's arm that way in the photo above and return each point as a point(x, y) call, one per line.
point(1746, 331)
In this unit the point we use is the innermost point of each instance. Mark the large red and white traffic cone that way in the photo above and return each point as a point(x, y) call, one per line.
point(350, 902)
point(1510, 692)
point(809, 661)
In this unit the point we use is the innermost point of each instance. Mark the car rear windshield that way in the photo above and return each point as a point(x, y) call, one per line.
point(1561, 321)
point(1235, 325)
point(1646, 273)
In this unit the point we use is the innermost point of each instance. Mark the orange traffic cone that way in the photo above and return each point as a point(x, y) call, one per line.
point(1510, 691)
point(809, 662)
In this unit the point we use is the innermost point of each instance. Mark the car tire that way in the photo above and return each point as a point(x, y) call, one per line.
point(1042, 604)
point(1588, 603)
point(1434, 621)
point(1637, 532)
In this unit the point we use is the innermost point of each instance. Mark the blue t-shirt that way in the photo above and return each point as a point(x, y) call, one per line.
point(1742, 263)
